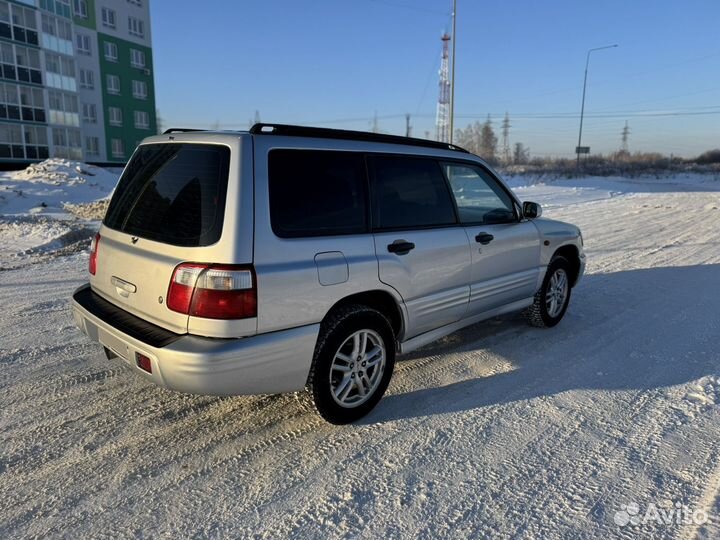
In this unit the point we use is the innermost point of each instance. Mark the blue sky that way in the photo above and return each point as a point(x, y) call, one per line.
point(338, 63)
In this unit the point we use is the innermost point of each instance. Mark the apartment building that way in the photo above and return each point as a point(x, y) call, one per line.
point(76, 79)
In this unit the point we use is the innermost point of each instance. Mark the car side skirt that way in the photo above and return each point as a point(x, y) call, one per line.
point(433, 335)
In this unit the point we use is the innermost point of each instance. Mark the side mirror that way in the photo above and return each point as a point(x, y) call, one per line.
point(531, 210)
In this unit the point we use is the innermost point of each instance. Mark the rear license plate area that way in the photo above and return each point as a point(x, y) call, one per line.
point(114, 344)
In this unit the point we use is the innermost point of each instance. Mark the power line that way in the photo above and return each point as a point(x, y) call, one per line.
point(710, 110)
point(350, 120)
point(619, 114)
point(667, 98)
point(409, 6)
point(430, 77)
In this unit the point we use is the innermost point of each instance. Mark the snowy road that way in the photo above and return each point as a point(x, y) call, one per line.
point(500, 430)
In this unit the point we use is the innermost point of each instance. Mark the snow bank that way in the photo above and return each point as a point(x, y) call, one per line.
point(57, 171)
point(51, 207)
point(45, 187)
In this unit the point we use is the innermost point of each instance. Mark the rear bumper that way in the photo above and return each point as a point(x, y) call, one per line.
point(264, 364)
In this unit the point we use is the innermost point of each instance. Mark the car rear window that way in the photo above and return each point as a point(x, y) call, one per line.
point(172, 193)
point(316, 193)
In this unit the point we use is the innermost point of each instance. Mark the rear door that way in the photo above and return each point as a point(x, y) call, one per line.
point(505, 250)
point(422, 251)
point(168, 208)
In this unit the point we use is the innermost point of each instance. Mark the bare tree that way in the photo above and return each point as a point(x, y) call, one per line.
point(488, 141)
point(521, 154)
point(471, 138)
point(466, 137)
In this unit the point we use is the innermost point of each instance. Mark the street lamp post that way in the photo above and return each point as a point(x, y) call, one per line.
point(579, 148)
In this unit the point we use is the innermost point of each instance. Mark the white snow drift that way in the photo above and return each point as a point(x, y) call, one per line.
point(45, 186)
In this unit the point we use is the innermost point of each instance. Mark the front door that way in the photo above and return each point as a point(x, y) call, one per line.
point(505, 250)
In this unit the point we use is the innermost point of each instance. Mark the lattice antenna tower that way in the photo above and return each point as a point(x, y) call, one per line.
point(442, 118)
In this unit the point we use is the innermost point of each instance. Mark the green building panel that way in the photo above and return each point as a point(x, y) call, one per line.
point(89, 21)
point(128, 133)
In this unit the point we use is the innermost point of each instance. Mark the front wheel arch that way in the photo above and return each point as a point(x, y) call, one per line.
point(571, 254)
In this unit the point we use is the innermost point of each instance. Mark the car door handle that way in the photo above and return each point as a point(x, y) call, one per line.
point(401, 247)
point(484, 238)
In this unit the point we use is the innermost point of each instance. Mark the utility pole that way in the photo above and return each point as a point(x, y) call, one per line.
point(408, 129)
point(580, 149)
point(506, 138)
point(452, 82)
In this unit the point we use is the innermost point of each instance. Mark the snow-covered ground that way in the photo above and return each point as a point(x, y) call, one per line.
point(500, 430)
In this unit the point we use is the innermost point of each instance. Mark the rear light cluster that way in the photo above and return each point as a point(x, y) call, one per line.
point(213, 291)
point(94, 245)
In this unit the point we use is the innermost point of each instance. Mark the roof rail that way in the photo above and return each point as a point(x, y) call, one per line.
point(325, 133)
point(180, 130)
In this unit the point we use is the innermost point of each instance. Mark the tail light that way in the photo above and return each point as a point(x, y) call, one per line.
point(213, 291)
point(94, 245)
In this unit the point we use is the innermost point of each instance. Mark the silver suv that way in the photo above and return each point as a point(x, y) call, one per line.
point(287, 257)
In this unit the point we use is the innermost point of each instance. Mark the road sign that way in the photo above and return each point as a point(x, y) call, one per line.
point(582, 149)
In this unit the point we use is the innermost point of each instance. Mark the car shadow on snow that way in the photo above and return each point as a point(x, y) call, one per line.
point(631, 330)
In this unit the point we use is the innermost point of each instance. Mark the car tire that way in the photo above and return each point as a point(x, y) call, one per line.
point(353, 362)
point(552, 299)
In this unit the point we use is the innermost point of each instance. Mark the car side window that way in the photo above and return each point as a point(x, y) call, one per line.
point(409, 192)
point(479, 198)
point(317, 193)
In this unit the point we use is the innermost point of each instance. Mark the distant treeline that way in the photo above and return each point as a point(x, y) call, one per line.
point(479, 138)
point(618, 163)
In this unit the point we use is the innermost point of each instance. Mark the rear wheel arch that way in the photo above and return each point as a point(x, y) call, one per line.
point(380, 300)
